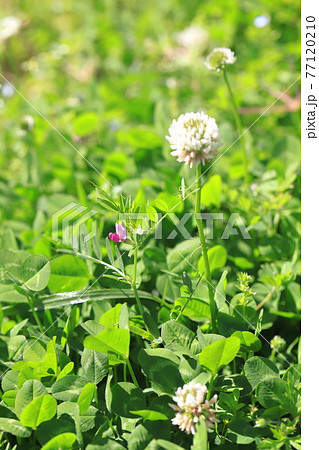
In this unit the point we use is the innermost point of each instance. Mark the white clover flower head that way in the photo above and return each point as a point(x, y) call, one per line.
point(191, 406)
point(194, 138)
point(218, 58)
point(190, 395)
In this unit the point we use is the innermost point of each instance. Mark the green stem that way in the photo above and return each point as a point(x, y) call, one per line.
point(188, 300)
point(234, 366)
point(201, 233)
point(78, 431)
point(112, 428)
point(287, 445)
point(165, 289)
point(35, 315)
point(137, 298)
point(130, 369)
point(244, 307)
point(162, 218)
point(138, 301)
point(124, 372)
point(272, 356)
point(211, 385)
point(239, 125)
point(96, 398)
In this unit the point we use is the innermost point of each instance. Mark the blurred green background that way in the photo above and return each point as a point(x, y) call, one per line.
point(110, 76)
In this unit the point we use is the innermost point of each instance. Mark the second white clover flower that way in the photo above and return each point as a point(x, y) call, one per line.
point(191, 406)
point(218, 58)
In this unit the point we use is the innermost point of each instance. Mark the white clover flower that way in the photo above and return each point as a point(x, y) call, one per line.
point(217, 59)
point(191, 406)
point(9, 26)
point(194, 137)
point(278, 343)
point(193, 37)
point(190, 395)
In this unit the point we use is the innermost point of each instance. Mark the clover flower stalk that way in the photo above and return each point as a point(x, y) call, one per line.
point(194, 139)
point(238, 122)
point(192, 406)
point(217, 61)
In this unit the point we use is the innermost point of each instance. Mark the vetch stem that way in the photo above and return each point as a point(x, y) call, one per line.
point(203, 246)
point(239, 125)
point(137, 298)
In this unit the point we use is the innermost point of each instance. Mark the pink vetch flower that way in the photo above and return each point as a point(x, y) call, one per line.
point(120, 235)
point(191, 406)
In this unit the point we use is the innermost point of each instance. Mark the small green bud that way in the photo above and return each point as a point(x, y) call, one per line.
point(261, 423)
point(278, 343)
